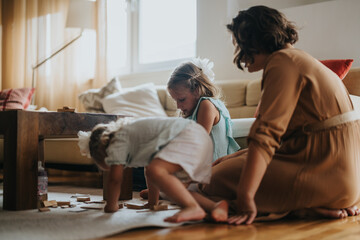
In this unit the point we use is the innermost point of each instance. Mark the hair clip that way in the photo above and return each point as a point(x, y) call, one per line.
point(206, 66)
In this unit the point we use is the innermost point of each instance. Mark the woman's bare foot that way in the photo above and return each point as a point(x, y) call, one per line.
point(331, 213)
point(144, 193)
point(220, 212)
point(323, 212)
point(187, 214)
point(353, 211)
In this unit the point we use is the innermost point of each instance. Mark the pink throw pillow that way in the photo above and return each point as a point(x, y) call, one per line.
point(15, 98)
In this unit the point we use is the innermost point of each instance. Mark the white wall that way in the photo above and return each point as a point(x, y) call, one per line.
point(328, 30)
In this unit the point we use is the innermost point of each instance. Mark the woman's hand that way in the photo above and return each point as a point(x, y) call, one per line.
point(250, 179)
point(246, 212)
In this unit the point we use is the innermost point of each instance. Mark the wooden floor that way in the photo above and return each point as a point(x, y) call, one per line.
point(348, 228)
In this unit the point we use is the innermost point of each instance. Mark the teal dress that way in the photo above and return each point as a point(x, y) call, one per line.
point(221, 133)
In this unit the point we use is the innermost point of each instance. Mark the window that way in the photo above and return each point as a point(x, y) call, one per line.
point(150, 35)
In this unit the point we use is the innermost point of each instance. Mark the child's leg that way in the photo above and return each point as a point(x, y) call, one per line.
point(153, 192)
point(160, 173)
point(218, 210)
point(114, 187)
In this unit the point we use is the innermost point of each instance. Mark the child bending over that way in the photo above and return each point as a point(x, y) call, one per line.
point(172, 150)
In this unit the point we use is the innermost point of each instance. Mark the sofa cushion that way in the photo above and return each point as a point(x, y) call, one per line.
point(233, 92)
point(139, 101)
point(351, 81)
point(91, 99)
point(242, 112)
point(167, 102)
point(253, 92)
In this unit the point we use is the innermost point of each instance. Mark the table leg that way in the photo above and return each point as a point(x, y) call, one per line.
point(20, 161)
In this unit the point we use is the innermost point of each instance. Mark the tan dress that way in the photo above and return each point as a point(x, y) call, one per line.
point(313, 169)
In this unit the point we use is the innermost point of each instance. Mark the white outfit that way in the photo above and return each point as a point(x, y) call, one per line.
point(175, 140)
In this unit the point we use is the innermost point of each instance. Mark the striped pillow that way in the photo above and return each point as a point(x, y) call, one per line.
point(15, 98)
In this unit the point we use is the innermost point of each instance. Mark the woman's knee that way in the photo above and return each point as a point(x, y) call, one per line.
point(224, 180)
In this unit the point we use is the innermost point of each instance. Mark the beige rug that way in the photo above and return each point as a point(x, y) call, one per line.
point(73, 223)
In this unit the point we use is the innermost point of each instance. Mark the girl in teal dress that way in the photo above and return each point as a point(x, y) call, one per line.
point(191, 86)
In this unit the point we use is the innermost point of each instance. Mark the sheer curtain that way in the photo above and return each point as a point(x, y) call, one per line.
point(34, 29)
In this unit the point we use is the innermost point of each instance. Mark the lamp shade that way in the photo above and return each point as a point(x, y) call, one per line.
point(81, 14)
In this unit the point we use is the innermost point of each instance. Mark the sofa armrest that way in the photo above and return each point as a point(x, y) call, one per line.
point(241, 128)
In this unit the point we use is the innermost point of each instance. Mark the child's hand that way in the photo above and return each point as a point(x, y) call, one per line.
point(111, 208)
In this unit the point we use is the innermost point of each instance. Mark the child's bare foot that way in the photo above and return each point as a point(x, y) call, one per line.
point(144, 193)
point(187, 214)
point(111, 208)
point(353, 211)
point(220, 212)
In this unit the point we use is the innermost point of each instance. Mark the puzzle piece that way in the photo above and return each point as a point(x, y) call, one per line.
point(66, 109)
point(82, 199)
point(62, 203)
point(44, 209)
point(135, 206)
point(159, 207)
point(51, 203)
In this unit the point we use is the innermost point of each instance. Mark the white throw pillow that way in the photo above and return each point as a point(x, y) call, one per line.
point(91, 99)
point(356, 102)
point(139, 101)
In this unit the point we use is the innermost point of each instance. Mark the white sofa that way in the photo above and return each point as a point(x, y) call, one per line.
point(240, 96)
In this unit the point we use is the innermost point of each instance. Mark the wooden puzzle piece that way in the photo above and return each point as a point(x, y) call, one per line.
point(51, 203)
point(160, 207)
point(135, 205)
point(66, 109)
point(44, 209)
point(62, 203)
point(82, 199)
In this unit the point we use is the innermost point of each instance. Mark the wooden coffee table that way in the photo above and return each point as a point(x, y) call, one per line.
point(24, 132)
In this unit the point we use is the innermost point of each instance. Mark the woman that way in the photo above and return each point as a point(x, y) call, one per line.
point(303, 153)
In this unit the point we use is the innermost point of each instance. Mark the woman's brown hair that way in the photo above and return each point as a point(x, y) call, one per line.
point(260, 29)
